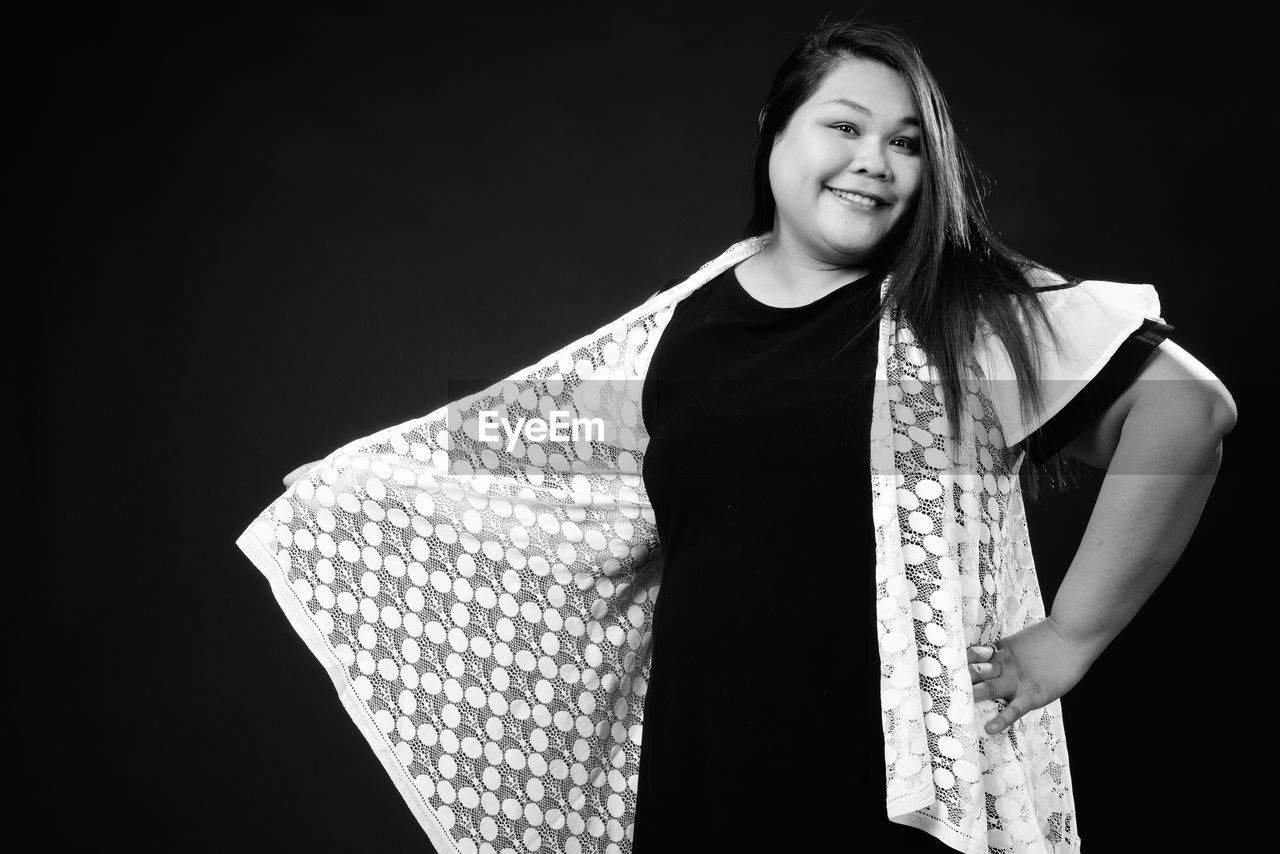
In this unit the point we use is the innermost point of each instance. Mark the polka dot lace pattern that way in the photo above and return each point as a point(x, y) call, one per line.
point(489, 609)
point(489, 606)
point(954, 569)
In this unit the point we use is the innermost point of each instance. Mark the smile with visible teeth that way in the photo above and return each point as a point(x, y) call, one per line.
point(856, 198)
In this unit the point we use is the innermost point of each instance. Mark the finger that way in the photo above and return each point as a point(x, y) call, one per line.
point(1010, 713)
point(981, 653)
point(979, 671)
point(994, 684)
point(993, 689)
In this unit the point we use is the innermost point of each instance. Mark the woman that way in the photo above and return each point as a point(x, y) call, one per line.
point(489, 610)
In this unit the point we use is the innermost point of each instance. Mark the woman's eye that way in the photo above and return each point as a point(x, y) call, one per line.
point(911, 144)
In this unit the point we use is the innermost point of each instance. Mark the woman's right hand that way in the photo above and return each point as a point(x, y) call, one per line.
point(300, 471)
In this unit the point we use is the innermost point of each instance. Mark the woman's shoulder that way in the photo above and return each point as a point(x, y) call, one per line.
point(1005, 302)
point(1043, 279)
point(1090, 298)
point(1060, 295)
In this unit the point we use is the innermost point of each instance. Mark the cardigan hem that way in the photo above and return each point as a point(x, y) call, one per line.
point(300, 618)
point(943, 832)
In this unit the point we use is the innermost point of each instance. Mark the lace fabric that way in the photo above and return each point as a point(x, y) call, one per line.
point(483, 604)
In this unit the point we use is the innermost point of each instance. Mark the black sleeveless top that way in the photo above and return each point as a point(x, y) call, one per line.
point(758, 471)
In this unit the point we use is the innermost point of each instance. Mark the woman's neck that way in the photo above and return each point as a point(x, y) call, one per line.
point(779, 278)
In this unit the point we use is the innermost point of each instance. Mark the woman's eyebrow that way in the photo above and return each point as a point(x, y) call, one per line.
point(909, 120)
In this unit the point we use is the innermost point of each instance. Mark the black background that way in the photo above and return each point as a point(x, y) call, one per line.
point(263, 237)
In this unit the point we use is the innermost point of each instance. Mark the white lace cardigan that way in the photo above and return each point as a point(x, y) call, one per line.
point(484, 609)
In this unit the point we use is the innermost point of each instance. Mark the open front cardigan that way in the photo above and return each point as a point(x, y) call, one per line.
point(483, 602)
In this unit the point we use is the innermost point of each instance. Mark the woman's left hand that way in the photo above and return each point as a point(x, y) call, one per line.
point(1031, 669)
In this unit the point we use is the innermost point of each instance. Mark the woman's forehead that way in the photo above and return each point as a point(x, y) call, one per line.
point(867, 87)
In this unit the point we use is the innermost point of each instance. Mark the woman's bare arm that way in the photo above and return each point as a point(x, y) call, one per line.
point(1161, 445)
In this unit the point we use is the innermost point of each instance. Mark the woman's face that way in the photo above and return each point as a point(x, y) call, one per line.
point(870, 147)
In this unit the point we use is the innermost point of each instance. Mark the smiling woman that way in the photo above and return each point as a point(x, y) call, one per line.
point(845, 173)
point(786, 599)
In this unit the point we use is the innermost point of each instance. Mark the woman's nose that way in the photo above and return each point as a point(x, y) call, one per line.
point(869, 160)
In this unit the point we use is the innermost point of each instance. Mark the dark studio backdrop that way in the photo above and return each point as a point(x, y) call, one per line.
point(265, 237)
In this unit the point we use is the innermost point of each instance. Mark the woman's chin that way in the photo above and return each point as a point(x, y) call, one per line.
point(855, 244)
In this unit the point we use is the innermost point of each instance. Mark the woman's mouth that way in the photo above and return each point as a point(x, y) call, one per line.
point(856, 200)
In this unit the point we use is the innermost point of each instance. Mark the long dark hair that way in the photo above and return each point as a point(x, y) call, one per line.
point(949, 267)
